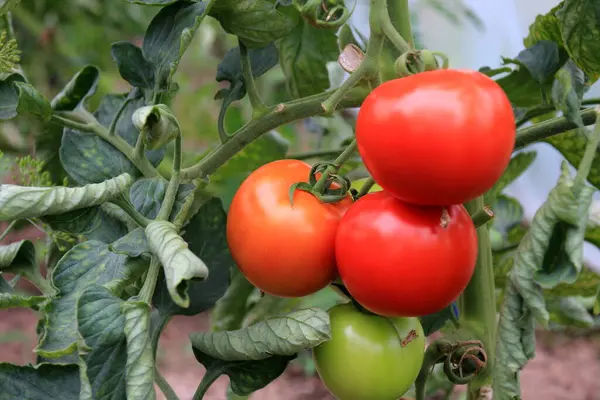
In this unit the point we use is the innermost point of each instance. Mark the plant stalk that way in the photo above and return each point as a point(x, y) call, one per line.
point(399, 13)
point(478, 301)
point(147, 291)
point(208, 379)
point(320, 186)
point(171, 193)
point(164, 386)
point(258, 107)
point(588, 157)
point(364, 189)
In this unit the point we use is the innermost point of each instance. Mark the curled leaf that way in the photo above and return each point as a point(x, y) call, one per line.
point(283, 335)
point(179, 263)
point(158, 125)
point(31, 202)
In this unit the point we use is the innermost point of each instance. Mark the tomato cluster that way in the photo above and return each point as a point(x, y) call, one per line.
point(408, 248)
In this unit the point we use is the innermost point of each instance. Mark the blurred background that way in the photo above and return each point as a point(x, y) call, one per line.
point(60, 37)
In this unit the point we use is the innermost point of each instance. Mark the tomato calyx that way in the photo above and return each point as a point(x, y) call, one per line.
point(463, 361)
point(323, 13)
point(416, 61)
point(330, 193)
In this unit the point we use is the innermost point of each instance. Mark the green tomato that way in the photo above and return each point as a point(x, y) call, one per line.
point(357, 184)
point(369, 357)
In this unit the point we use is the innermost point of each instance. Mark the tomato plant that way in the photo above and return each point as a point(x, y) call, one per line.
point(398, 260)
point(262, 222)
point(416, 136)
point(161, 192)
point(363, 348)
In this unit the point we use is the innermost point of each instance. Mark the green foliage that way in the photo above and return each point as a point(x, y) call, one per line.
point(97, 187)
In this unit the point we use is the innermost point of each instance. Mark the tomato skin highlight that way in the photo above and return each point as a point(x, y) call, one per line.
point(284, 250)
point(438, 137)
point(365, 358)
point(398, 260)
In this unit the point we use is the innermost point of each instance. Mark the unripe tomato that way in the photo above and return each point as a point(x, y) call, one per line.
point(438, 137)
point(369, 357)
point(401, 260)
point(284, 250)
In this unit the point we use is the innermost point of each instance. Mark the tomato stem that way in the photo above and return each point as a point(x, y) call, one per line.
point(588, 157)
point(364, 189)
point(147, 290)
point(321, 184)
point(478, 301)
point(482, 216)
point(258, 106)
point(399, 14)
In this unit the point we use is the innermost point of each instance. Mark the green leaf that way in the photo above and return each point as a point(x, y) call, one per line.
point(587, 285)
point(11, 300)
point(436, 321)
point(94, 223)
point(256, 22)
point(571, 145)
point(89, 263)
point(545, 27)
point(167, 34)
point(580, 31)
point(530, 83)
point(140, 357)
point(206, 237)
point(230, 310)
point(133, 245)
point(304, 54)
point(9, 96)
point(40, 382)
point(568, 90)
point(101, 325)
point(550, 253)
point(82, 86)
point(179, 263)
point(7, 5)
point(283, 335)
point(515, 344)
point(569, 311)
point(230, 69)
point(506, 230)
point(30, 202)
point(32, 101)
point(225, 182)
point(19, 258)
point(133, 66)
point(517, 166)
point(147, 195)
point(89, 159)
point(246, 376)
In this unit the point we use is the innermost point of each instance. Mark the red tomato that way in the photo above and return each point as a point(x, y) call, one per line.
point(438, 137)
point(284, 250)
point(402, 260)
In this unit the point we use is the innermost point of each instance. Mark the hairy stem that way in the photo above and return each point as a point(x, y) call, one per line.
point(389, 29)
point(315, 154)
point(550, 127)
point(364, 189)
point(321, 184)
point(208, 379)
point(280, 115)
point(478, 301)
point(399, 13)
point(164, 386)
point(588, 157)
point(132, 212)
point(147, 290)
point(258, 106)
point(8, 229)
point(171, 193)
point(68, 119)
point(117, 117)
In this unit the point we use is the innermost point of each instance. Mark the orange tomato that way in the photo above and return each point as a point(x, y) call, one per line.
point(283, 249)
